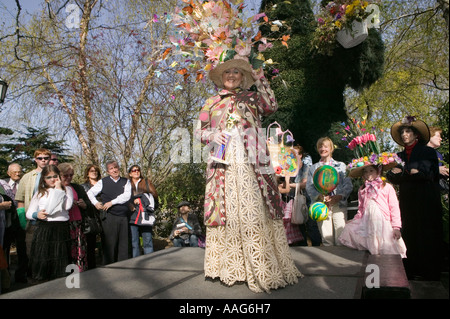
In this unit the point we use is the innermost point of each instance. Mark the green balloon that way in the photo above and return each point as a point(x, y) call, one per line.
point(325, 179)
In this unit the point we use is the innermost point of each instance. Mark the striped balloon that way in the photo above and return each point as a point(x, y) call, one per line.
point(318, 211)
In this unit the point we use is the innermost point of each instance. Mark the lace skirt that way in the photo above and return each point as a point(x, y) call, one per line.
point(372, 232)
point(251, 247)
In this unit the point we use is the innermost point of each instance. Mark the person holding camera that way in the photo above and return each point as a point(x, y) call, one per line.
point(186, 228)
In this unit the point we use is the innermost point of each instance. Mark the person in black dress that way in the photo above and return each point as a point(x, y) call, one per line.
point(419, 197)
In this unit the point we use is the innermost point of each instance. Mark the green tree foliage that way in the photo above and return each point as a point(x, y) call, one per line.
point(21, 149)
point(186, 182)
point(310, 86)
point(415, 77)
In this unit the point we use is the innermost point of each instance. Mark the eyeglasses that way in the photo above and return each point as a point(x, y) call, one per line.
point(135, 170)
point(54, 159)
point(43, 158)
point(68, 175)
point(50, 177)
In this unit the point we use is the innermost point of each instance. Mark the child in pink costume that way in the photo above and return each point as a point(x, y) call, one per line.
point(376, 226)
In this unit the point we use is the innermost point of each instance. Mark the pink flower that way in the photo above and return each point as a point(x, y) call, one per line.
point(213, 54)
point(258, 16)
point(243, 49)
point(364, 139)
point(263, 47)
point(352, 145)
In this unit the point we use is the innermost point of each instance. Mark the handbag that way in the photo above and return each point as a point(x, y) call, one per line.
point(142, 216)
point(300, 208)
point(91, 225)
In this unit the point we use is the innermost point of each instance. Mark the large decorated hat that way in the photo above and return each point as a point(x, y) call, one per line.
point(212, 36)
point(216, 74)
point(368, 153)
point(410, 121)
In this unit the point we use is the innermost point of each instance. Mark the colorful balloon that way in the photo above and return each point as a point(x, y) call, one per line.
point(318, 211)
point(325, 179)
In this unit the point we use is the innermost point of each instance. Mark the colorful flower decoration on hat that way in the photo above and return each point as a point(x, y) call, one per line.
point(364, 145)
point(211, 32)
point(367, 152)
point(384, 158)
point(408, 119)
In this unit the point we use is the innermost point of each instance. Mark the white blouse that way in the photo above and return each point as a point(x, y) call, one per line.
point(56, 203)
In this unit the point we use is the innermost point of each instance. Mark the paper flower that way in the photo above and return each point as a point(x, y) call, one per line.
point(364, 145)
point(384, 158)
point(289, 139)
point(211, 32)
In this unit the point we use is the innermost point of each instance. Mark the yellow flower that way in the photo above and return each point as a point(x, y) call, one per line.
point(349, 9)
point(338, 24)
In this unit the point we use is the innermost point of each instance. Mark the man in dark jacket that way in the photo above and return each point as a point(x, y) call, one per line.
point(186, 228)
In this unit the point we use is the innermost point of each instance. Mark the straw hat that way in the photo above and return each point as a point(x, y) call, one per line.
point(386, 160)
point(244, 66)
point(410, 121)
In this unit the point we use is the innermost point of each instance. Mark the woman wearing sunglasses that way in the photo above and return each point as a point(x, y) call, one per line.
point(50, 255)
point(144, 200)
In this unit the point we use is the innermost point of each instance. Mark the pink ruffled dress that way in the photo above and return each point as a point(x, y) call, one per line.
point(372, 228)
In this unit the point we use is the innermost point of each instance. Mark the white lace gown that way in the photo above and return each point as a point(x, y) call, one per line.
point(372, 232)
point(251, 247)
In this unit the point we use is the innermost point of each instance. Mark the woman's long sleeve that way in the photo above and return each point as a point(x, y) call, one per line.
point(59, 200)
point(33, 207)
point(268, 103)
